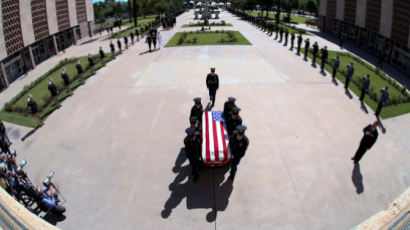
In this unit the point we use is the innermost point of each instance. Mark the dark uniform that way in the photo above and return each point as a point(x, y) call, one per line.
point(228, 105)
point(52, 88)
point(90, 61)
point(286, 37)
point(112, 47)
point(238, 144)
point(79, 68)
point(299, 42)
point(212, 83)
point(132, 37)
point(276, 31)
point(307, 44)
point(368, 140)
point(31, 103)
point(234, 121)
point(126, 42)
point(192, 144)
point(292, 40)
point(66, 80)
point(196, 125)
point(281, 34)
point(325, 54)
point(315, 50)
point(119, 45)
point(197, 109)
point(154, 40)
point(137, 34)
point(149, 41)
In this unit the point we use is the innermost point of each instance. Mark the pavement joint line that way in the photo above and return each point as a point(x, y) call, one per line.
point(144, 153)
point(214, 210)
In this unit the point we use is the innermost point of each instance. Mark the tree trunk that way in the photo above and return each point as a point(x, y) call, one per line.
point(278, 12)
point(129, 11)
point(135, 13)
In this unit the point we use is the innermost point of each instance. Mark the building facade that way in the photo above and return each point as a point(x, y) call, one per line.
point(381, 26)
point(31, 31)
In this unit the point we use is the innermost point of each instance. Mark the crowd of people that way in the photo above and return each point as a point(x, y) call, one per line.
point(238, 142)
point(14, 180)
point(282, 35)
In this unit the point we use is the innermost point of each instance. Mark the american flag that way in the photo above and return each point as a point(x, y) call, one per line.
point(215, 150)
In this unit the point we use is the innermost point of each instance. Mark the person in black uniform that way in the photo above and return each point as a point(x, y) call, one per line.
point(192, 144)
point(126, 42)
point(80, 71)
point(91, 62)
point(149, 41)
point(132, 37)
point(229, 104)
point(315, 50)
point(212, 83)
point(53, 90)
point(281, 34)
point(154, 40)
point(368, 140)
point(238, 143)
point(102, 56)
point(307, 44)
point(66, 80)
point(112, 47)
point(197, 110)
point(292, 40)
point(119, 45)
point(300, 39)
point(4, 133)
point(324, 58)
point(195, 124)
point(234, 121)
point(286, 37)
point(31, 103)
point(276, 31)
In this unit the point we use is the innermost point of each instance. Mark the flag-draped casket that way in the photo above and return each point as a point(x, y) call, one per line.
point(215, 140)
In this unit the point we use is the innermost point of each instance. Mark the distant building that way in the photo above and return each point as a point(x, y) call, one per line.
point(381, 26)
point(33, 30)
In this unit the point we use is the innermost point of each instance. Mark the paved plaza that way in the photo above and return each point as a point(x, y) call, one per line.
point(116, 144)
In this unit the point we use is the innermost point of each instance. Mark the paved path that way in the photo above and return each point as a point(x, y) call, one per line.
point(115, 145)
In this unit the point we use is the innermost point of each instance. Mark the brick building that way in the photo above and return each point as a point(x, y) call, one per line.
point(31, 31)
point(381, 26)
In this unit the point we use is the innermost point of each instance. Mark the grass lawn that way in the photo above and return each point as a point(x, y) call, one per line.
point(126, 22)
point(293, 18)
point(197, 25)
point(207, 38)
point(376, 84)
point(127, 31)
point(41, 93)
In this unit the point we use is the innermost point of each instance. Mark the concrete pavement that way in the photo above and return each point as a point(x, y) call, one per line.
point(115, 145)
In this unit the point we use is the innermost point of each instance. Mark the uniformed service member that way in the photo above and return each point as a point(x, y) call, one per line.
point(53, 91)
point(91, 62)
point(286, 37)
point(66, 80)
point(307, 44)
point(197, 109)
point(102, 56)
point(234, 121)
point(31, 103)
point(192, 144)
point(137, 34)
point(132, 37)
point(80, 71)
point(325, 53)
point(212, 83)
point(238, 143)
point(315, 50)
point(196, 125)
point(126, 42)
point(292, 40)
point(112, 47)
point(228, 105)
point(119, 45)
point(281, 34)
point(299, 43)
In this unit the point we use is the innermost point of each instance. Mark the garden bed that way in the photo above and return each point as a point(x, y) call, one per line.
point(199, 38)
point(16, 110)
point(200, 24)
point(399, 101)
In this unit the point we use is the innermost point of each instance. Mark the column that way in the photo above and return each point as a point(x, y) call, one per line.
point(74, 36)
point(55, 44)
point(30, 53)
point(90, 31)
point(3, 74)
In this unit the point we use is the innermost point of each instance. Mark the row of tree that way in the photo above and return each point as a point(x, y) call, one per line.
point(112, 8)
point(287, 6)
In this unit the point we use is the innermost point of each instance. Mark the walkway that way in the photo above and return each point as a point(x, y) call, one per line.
point(115, 145)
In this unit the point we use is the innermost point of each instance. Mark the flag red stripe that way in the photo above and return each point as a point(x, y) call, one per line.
point(224, 142)
point(208, 155)
point(216, 149)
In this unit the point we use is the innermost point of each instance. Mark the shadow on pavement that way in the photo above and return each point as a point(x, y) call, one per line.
point(348, 94)
point(381, 125)
point(31, 132)
point(53, 219)
point(357, 178)
point(210, 191)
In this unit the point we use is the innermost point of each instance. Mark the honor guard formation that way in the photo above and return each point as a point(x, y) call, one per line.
point(238, 141)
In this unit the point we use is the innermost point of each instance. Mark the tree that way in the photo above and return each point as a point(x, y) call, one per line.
point(288, 6)
point(312, 7)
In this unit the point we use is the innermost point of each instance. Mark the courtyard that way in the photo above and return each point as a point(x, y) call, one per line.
point(116, 144)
